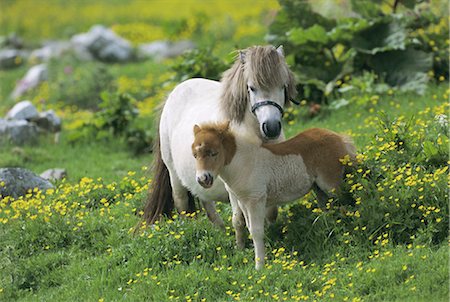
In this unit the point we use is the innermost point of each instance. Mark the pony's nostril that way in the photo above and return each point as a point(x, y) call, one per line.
point(271, 129)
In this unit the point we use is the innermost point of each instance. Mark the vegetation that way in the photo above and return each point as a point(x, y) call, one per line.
point(385, 240)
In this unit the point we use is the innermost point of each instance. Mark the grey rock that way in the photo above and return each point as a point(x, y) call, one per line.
point(54, 174)
point(49, 121)
point(103, 44)
point(10, 58)
point(32, 79)
point(24, 110)
point(160, 50)
point(18, 132)
point(52, 49)
point(17, 182)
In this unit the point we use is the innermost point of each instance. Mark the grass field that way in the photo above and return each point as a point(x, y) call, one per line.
point(75, 243)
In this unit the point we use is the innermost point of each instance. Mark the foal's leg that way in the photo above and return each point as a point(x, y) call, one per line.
point(256, 210)
point(214, 217)
point(238, 222)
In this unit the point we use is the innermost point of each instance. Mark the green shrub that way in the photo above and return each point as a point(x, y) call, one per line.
point(397, 47)
point(198, 63)
point(116, 119)
point(80, 84)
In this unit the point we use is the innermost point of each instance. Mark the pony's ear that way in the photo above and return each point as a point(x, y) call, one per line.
point(242, 56)
point(290, 90)
point(280, 50)
point(197, 129)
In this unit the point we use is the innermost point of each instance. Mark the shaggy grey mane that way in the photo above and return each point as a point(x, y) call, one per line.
point(263, 66)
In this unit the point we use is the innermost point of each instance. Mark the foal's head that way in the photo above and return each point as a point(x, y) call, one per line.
point(214, 147)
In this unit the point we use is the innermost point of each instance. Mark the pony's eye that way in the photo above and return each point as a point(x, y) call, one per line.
point(252, 89)
point(213, 154)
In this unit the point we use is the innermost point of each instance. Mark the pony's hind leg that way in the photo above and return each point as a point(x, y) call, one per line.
point(322, 196)
point(180, 194)
point(213, 216)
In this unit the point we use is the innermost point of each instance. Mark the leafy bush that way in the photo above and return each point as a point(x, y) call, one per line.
point(79, 85)
point(323, 51)
point(198, 63)
point(115, 119)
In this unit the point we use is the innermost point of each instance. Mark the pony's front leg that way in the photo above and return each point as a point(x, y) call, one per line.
point(256, 211)
point(214, 217)
point(238, 221)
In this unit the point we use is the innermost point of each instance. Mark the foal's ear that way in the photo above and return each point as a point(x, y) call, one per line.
point(225, 126)
point(197, 129)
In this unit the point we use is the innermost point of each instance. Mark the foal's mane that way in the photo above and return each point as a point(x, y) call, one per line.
point(262, 65)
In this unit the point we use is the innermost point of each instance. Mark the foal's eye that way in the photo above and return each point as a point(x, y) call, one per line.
point(252, 89)
point(213, 154)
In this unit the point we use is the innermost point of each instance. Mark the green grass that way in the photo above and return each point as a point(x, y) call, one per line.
point(89, 254)
point(75, 244)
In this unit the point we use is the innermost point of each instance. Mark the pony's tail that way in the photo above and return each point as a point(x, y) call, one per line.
point(159, 199)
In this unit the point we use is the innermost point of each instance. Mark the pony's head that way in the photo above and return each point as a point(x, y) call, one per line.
point(261, 84)
point(214, 147)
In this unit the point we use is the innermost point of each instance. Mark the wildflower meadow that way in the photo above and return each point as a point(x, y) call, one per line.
point(383, 238)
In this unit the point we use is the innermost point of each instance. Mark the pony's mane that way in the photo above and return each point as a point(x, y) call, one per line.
point(262, 65)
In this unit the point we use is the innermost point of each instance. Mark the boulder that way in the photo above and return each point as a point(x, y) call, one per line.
point(18, 132)
point(24, 110)
point(32, 79)
point(160, 50)
point(52, 49)
point(54, 174)
point(103, 44)
point(16, 182)
point(49, 121)
point(10, 58)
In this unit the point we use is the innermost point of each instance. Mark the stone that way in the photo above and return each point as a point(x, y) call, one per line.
point(49, 121)
point(24, 110)
point(18, 132)
point(52, 49)
point(103, 44)
point(10, 58)
point(32, 79)
point(160, 50)
point(16, 182)
point(54, 174)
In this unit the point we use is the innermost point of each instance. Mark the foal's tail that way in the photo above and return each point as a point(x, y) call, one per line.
point(159, 198)
point(349, 146)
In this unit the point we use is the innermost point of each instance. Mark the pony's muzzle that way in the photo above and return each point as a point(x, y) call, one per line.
point(205, 179)
point(271, 129)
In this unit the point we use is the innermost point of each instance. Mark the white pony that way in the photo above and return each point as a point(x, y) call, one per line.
point(259, 176)
point(251, 94)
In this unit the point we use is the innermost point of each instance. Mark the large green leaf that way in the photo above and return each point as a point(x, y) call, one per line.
point(316, 33)
point(405, 69)
point(367, 8)
point(384, 35)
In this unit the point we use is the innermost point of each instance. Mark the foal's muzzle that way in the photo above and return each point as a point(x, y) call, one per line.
point(205, 179)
